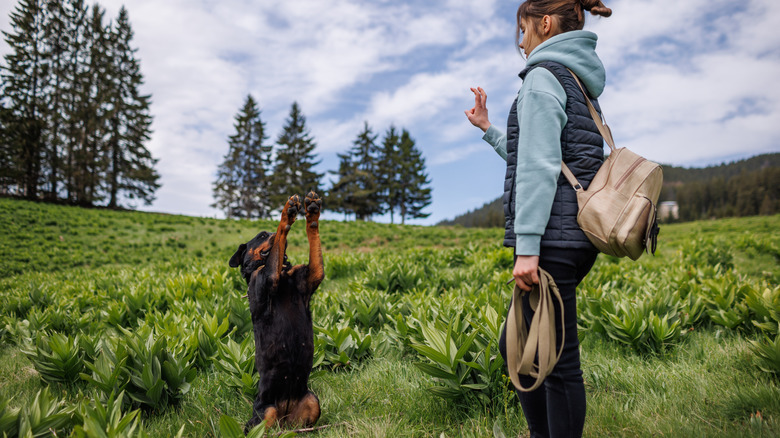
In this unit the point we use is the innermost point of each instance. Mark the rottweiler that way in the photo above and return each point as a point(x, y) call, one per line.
point(279, 296)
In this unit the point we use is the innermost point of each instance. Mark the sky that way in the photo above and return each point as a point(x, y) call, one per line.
point(689, 83)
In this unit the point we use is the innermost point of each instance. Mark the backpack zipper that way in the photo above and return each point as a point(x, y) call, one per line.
point(623, 178)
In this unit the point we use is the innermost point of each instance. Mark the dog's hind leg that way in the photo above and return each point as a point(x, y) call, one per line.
point(316, 271)
point(275, 260)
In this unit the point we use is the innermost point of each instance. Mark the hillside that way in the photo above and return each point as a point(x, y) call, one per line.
point(741, 188)
point(40, 237)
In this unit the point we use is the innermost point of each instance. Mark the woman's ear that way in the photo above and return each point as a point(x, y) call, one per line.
point(238, 257)
point(546, 25)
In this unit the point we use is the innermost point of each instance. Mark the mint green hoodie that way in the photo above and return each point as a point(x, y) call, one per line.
point(541, 116)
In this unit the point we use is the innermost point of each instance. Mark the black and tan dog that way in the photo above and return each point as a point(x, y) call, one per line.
point(279, 297)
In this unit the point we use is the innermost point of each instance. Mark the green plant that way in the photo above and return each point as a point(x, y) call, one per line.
point(238, 362)
point(103, 419)
point(339, 346)
point(109, 371)
point(767, 354)
point(462, 358)
point(159, 375)
point(664, 332)
point(56, 357)
point(364, 308)
point(627, 325)
point(397, 276)
point(208, 339)
point(765, 309)
point(240, 317)
point(44, 415)
point(9, 419)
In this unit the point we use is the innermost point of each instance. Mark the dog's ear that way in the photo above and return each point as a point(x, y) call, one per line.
point(235, 261)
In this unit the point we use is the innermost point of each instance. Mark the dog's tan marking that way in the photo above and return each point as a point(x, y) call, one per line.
point(306, 412)
point(256, 252)
point(270, 417)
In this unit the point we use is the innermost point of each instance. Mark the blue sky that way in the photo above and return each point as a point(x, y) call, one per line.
point(689, 82)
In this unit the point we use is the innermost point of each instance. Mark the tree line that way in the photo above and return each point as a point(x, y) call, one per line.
point(373, 178)
point(743, 188)
point(73, 120)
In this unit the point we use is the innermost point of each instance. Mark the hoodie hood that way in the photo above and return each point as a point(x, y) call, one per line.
point(577, 51)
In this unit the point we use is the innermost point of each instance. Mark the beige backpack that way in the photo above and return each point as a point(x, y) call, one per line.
point(618, 211)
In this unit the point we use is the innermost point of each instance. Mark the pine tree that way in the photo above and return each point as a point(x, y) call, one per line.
point(340, 196)
point(365, 199)
point(356, 190)
point(89, 160)
point(242, 185)
point(414, 193)
point(131, 166)
point(58, 45)
point(389, 169)
point(24, 84)
point(9, 174)
point(75, 100)
point(295, 160)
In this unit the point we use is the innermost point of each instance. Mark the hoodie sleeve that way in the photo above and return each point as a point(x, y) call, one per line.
point(541, 116)
point(497, 139)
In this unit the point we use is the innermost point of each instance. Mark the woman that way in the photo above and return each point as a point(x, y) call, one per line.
point(549, 122)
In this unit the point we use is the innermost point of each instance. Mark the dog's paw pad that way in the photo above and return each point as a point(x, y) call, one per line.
point(293, 207)
point(312, 203)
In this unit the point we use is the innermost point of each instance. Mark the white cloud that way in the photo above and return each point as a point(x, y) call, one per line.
point(686, 109)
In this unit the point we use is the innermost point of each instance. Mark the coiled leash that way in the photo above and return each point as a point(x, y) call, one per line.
point(524, 345)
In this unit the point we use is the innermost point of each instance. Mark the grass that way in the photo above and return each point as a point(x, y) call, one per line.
point(706, 388)
point(706, 385)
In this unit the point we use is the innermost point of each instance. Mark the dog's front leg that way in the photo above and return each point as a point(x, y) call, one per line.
point(313, 205)
point(275, 260)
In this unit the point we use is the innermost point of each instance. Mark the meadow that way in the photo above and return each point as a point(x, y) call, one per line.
point(125, 324)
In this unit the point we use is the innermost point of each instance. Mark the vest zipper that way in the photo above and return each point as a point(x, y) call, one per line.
point(625, 176)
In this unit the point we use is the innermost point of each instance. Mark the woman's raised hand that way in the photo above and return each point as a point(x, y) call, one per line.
point(478, 116)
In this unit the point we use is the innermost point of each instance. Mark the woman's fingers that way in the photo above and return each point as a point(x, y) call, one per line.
point(480, 97)
point(522, 285)
point(478, 115)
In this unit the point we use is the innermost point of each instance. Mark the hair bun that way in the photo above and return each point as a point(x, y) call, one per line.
point(596, 7)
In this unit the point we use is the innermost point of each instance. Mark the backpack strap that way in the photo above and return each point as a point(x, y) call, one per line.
point(600, 123)
point(603, 128)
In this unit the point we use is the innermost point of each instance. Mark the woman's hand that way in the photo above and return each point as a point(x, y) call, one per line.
point(526, 272)
point(478, 116)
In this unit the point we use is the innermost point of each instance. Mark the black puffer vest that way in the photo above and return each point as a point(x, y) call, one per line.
point(583, 151)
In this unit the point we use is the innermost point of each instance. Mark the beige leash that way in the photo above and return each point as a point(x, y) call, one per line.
point(524, 345)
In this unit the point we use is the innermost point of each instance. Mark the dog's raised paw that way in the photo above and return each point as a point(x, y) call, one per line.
point(313, 205)
point(292, 207)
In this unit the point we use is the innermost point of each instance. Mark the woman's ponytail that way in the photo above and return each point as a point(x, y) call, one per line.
point(596, 7)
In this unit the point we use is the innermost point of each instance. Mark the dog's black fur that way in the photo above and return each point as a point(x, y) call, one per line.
point(279, 296)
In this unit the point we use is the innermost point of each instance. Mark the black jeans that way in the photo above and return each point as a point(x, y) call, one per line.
point(557, 408)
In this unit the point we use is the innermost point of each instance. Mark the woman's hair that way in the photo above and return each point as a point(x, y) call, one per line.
point(568, 13)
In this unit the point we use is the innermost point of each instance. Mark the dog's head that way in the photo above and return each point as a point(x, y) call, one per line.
point(252, 255)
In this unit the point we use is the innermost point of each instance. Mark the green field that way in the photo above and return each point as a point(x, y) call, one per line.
point(98, 303)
